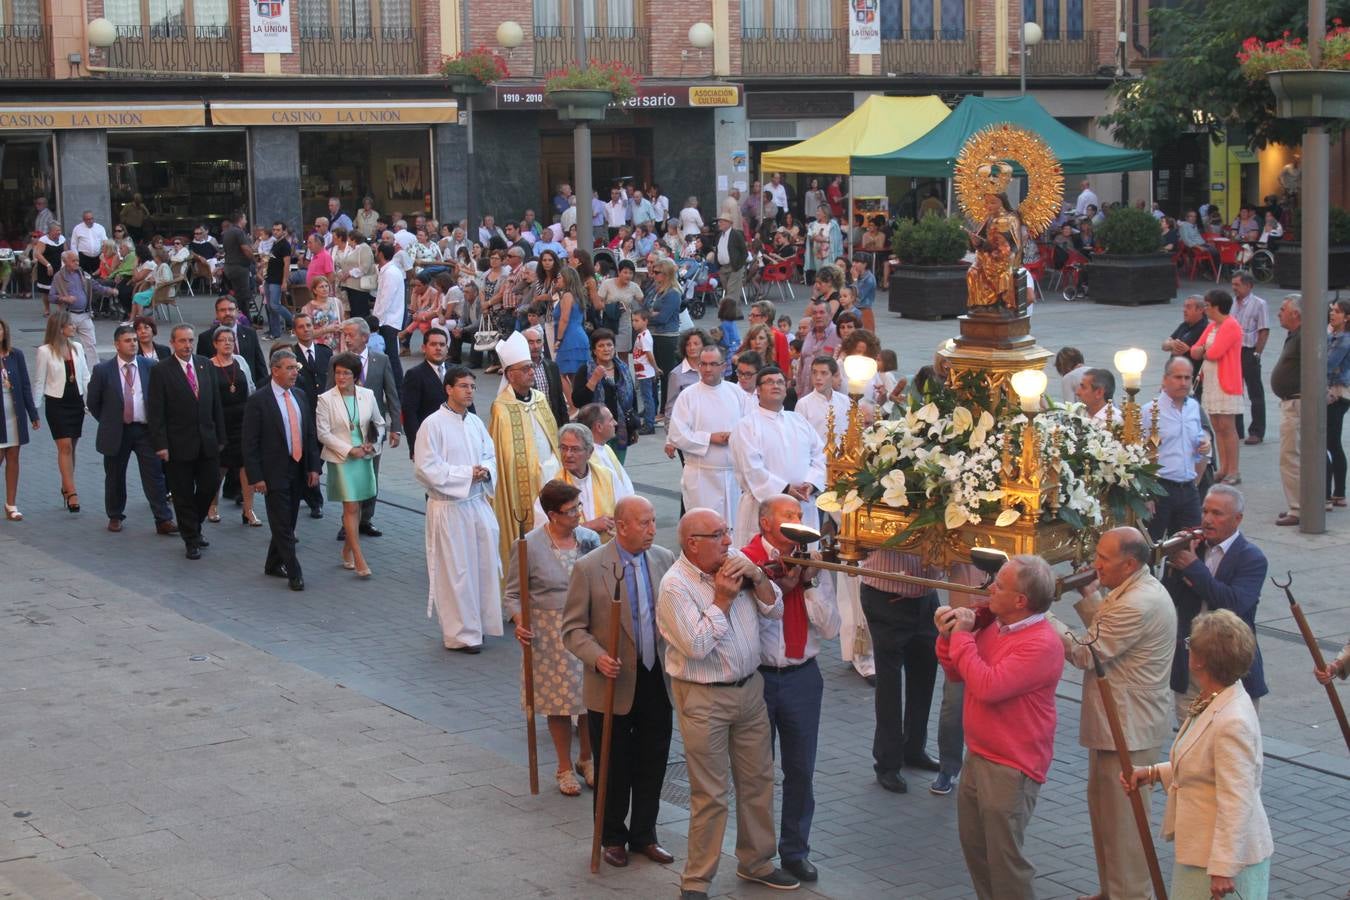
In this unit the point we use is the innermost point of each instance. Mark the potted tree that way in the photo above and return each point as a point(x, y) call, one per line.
point(1289, 255)
point(584, 92)
point(471, 71)
point(1131, 267)
point(930, 282)
point(1302, 92)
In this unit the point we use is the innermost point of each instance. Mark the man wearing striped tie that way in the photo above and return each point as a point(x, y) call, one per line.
point(281, 457)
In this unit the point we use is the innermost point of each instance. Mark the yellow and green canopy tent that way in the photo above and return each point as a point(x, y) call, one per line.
point(880, 125)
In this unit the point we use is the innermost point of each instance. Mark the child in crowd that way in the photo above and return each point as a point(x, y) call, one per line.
point(890, 384)
point(644, 370)
point(728, 311)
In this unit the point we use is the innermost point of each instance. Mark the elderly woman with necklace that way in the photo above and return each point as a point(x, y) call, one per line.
point(607, 379)
point(1213, 773)
point(552, 549)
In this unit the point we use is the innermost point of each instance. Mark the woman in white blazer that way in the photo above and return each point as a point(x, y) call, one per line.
point(350, 429)
point(1213, 774)
point(60, 379)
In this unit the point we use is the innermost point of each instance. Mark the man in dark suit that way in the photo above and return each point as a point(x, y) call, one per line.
point(187, 428)
point(314, 358)
point(246, 343)
point(281, 457)
point(424, 385)
point(640, 739)
point(377, 375)
point(547, 378)
point(117, 399)
point(1223, 570)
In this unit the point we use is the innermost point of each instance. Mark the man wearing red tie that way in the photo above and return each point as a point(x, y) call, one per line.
point(281, 457)
point(187, 426)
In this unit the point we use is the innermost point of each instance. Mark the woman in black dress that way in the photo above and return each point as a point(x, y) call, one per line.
point(232, 380)
point(59, 380)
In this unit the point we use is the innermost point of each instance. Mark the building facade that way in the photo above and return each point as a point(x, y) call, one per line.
point(195, 107)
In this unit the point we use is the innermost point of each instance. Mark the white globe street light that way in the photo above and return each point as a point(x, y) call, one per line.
point(1031, 36)
point(510, 35)
point(701, 35)
point(101, 33)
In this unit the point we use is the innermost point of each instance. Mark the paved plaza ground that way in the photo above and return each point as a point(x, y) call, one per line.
point(184, 729)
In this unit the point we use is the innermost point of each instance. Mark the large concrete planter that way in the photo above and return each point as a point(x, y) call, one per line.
point(1289, 265)
point(928, 292)
point(1320, 94)
point(1132, 280)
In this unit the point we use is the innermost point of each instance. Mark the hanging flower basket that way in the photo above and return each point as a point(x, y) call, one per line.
point(471, 71)
point(579, 104)
point(1311, 93)
point(584, 92)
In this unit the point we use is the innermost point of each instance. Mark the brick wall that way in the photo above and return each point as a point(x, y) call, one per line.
point(984, 19)
point(486, 15)
point(428, 17)
point(669, 24)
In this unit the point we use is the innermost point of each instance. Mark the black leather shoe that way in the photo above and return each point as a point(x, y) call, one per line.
point(193, 552)
point(316, 512)
point(370, 530)
point(276, 571)
point(203, 542)
point(297, 583)
point(775, 878)
point(893, 782)
point(801, 868)
point(925, 762)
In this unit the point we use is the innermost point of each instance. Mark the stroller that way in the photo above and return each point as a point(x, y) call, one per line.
point(700, 286)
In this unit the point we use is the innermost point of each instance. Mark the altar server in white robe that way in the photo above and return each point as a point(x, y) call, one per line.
point(455, 461)
point(700, 426)
point(774, 452)
point(855, 641)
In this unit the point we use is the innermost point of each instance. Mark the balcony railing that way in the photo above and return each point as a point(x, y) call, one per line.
point(554, 48)
point(326, 50)
point(944, 54)
point(25, 52)
point(780, 51)
point(175, 48)
point(1077, 56)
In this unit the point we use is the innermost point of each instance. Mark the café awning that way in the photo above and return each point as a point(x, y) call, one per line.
point(934, 154)
point(880, 125)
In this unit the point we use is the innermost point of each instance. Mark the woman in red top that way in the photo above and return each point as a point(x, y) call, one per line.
point(1220, 348)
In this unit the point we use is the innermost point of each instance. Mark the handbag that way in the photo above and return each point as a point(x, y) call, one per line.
point(485, 340)
point(369, 283)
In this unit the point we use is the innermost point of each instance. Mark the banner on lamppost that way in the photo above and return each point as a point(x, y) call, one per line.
point(269, 26)
point(864, 27)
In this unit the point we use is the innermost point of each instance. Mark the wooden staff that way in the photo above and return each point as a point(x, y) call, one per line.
point(1318, 660)
point(1127, 769)
point(607, 729)
point(527, 659)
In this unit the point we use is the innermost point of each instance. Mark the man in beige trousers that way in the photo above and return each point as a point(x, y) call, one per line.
point(1133, 631)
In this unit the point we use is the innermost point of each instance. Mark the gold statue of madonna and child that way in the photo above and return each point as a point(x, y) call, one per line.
point(996, 281)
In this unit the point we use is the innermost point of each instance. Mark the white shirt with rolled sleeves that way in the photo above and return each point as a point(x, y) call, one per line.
point(770, 451)
point(702, 644)
point(709, 478)
point(389, 299)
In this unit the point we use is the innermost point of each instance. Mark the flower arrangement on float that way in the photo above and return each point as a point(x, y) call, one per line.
point(950, 460)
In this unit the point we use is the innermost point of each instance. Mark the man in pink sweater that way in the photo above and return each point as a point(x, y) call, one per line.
point(1010, 660)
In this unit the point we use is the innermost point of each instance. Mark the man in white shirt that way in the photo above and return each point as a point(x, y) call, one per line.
point(778, 191)
point(389, 306)
point(86, 239)
point(1095, 390)
point(616, 212)
point(403, 237)
point(793, 686)
point(775, 452)
point(708, 610)
point(701, 422)
point(1086, 198)
point(569, 215)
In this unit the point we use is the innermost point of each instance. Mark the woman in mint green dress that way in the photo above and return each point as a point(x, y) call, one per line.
point(350, 427)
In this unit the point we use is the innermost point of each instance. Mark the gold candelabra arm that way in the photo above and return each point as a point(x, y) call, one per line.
point(1132, 426)
point(1154, 438)
point(1006, 457)
point(852, 443)
point(831, 446)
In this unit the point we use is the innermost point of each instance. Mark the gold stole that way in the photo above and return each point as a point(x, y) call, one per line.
point(602, 491)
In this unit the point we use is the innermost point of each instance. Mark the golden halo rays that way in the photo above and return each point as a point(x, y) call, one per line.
point(1008, 143)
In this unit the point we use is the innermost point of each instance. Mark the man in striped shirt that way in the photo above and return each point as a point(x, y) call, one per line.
point(708, 610)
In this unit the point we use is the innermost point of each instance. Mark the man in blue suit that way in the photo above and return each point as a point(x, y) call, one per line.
point(117, 399)
point(1220, 571)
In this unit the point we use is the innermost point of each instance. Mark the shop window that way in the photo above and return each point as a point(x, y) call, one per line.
point(26, 173)
point(391, 166)
point(186, 178)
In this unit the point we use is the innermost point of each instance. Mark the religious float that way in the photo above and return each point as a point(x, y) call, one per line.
point(979, 461)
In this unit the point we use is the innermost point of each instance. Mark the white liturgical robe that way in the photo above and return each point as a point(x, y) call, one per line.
point(708, 479)
point(771, 450)
point(815, 409)
point(463, 563)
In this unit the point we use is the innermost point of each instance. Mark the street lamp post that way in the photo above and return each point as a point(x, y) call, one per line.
point(1312, 436)
point(1031, 36)
point(581, 141)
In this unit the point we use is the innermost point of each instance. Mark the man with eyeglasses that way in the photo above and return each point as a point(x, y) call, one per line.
point(1133, 631)
point(708, 611)
point(600, 489)
point(700, 425)
point(748, 364)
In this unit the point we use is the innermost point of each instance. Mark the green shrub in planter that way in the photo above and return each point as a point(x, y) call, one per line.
point(1129, 232)
point(1339, 221)
point(932, 241)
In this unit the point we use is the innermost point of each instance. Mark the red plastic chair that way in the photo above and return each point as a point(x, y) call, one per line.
point(779, 274)
point(1228, 256)
point(1198, 257)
